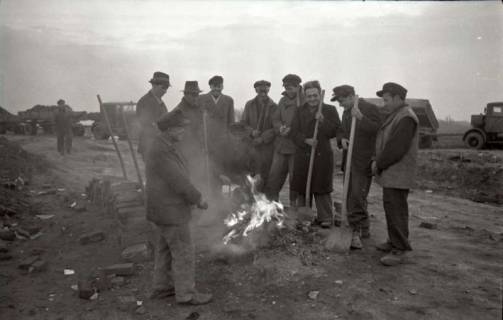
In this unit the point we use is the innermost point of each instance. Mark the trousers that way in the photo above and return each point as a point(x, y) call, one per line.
point(396, 209)
point(281, 167)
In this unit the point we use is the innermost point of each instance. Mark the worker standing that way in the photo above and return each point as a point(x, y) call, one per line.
point(63, 127)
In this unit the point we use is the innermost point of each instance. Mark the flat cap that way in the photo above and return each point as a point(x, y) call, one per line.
point(160, 78)
point(216, 80)
point(394, 89)
point(291, 79)
point(342, 92)
point(172, 119)
point(262, 83)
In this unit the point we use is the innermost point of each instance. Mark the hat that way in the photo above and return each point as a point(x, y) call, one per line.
point(262, 83)
point(160, 78)
point(342, 91)
point(216, 80)
point(61, 101)
point(394, 89)
point(191, 86)
point(292, 80)
point(172, 119)
point(312, 84)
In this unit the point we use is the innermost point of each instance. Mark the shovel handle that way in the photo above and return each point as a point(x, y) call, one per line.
point(313, 152)
point(347, 167)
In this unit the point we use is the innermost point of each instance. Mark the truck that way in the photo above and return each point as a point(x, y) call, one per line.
point(43, 116)
point(428, 123)
point(487, 128)
point(115, 111)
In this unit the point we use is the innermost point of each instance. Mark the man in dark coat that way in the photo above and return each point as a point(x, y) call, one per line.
point(192, 146)
point(170, 198)
point(258, 123)
point(394, 167)
point(367, 122)
point(219, 110)
point(149, 109)
point(302, 131)
point(63, 127)
point(284, 147)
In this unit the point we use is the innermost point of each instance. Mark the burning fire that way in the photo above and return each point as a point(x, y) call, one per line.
point(254, 215)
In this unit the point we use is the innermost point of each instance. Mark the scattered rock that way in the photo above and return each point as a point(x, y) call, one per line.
point(7, 235)
point(4, 256)
point(141, 310)
point(123, 269)
point(413, 291)
point(27, 262)
point(47, 192)
point(85, 289)
point(428, 225)
point(138, 253)
point(45, 216)
point(193, 316)
point(92, 237)
point(313, 295)
point(118, 281)
point(38, 266)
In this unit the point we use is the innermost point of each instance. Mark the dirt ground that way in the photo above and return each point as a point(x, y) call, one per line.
point(455, 270)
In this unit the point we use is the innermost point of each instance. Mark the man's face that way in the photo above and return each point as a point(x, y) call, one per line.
point(346, 102)
point(159, 90)
point(262, 91)
point(191, 97)
point(216, 89)
point(391, 102)
point(313, 97)
point(291, 91)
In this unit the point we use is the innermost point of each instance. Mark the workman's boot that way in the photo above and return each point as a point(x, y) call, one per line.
point(385, 246)
point(356, 242)
point(198, 299)
point(394, 258)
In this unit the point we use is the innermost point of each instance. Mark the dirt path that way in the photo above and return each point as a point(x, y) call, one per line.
point(454, 273)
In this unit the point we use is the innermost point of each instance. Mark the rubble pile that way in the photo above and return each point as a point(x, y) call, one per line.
point(477, 176)
point(123, 200)
point(17, 163)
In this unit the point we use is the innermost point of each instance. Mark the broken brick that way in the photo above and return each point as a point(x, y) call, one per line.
point(91, 237)
point(123, 269)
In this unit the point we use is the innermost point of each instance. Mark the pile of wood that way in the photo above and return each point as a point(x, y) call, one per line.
point(123, 200)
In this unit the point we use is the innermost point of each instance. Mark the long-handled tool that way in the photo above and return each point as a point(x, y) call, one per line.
point(206, 152)
point(305, 213)
point(112, 136)
point(131, 149)
point(339, 239)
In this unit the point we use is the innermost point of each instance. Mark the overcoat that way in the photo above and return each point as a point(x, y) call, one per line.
point(303, 124)
point(148, 111)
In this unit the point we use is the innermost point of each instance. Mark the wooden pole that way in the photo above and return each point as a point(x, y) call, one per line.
point(112, 136)
point(135, 161)
point(206, 152)
point(347, 167)
point(313, 153)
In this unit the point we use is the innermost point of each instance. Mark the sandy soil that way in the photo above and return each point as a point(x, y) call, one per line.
point(454, 271)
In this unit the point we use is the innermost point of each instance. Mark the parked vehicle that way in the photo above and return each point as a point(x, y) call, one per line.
point(115, 111)
point(487, 128)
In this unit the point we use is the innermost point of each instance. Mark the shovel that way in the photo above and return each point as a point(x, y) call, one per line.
point(339, 239)
point(305, 214)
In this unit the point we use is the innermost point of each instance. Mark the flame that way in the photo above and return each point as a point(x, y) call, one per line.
point(261, 211)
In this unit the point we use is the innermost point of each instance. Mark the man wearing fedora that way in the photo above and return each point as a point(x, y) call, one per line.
point(171, 195)
point(257, 118)
point(149, 109)
point(368, 122)
point(192, 146)
point(284, 147)
point(219, 110)
point(394, 168)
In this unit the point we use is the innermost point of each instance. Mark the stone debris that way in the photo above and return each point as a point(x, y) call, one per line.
point(92, 237)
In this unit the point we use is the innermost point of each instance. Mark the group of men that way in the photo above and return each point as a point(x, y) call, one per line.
point(190, 148)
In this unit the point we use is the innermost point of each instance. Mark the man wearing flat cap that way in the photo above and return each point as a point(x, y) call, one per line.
point(303, 124)
point(219, 110)
point(149, 109)
point(368, 122)
point(170, 198)
point(192, 146)
point(258, 122)
point(284, 147)
point(394, 168)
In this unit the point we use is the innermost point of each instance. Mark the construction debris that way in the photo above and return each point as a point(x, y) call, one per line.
point(138, 253)
point(92, 237)
point(124, 269)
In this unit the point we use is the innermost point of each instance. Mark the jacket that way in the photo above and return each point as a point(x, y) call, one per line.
point(283, 117)
point(170, 193)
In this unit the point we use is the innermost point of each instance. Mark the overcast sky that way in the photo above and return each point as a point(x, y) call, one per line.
point(450, 53)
